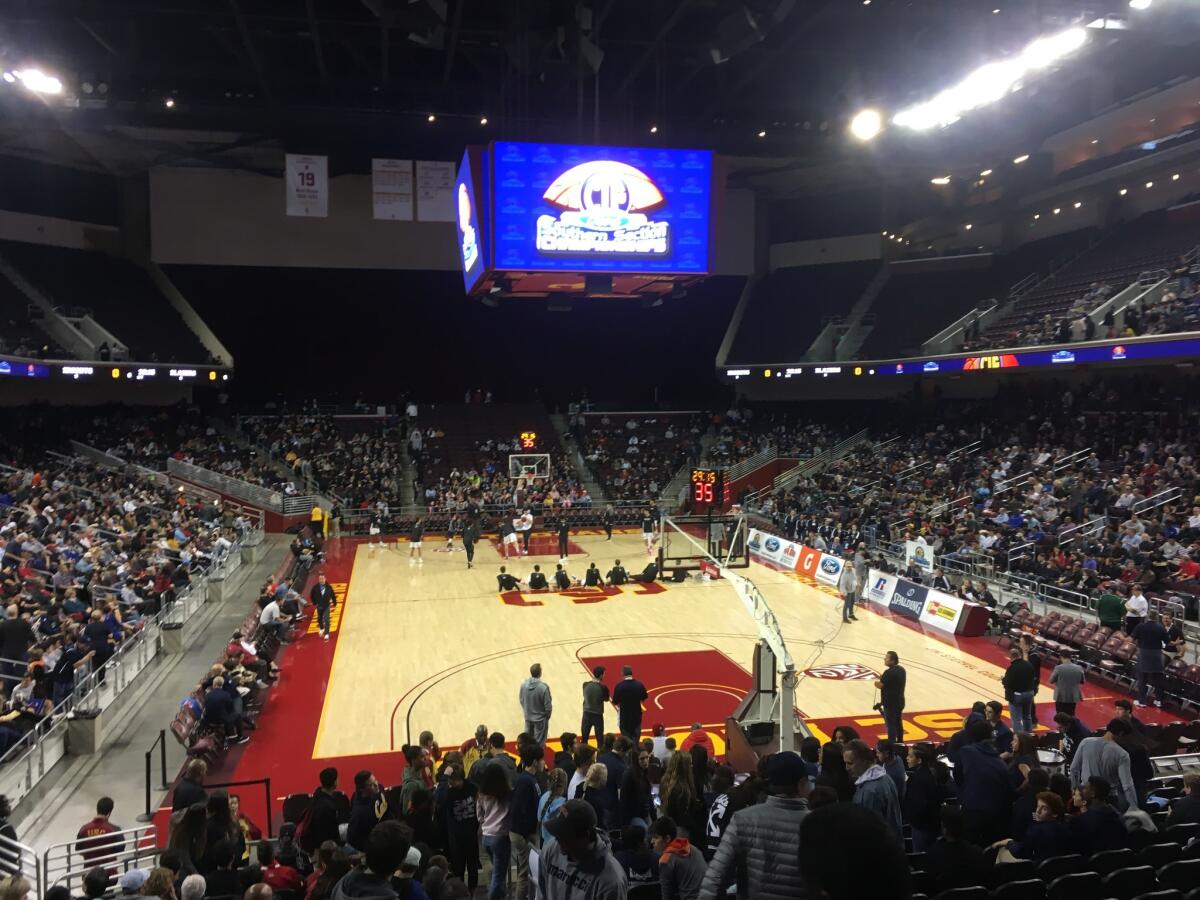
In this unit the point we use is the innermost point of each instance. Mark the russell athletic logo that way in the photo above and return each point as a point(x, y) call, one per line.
point(878, 588)
point(603, 210)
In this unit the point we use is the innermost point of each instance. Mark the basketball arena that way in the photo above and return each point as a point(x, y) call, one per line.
point(546, 451)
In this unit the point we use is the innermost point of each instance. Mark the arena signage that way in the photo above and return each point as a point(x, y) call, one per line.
point(577, 208)
point(830, 569)
point(469, 217)
point(908, 599)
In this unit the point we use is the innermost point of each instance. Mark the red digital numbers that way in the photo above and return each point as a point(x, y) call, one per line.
point(702, 493)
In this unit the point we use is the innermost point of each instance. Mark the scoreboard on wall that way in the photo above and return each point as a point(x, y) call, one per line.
point(542, 219)
point(708, 488)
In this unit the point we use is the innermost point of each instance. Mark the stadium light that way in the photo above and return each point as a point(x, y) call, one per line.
point(969, 226)
point(1175, 177)
point(654, 129)
point(1020, 159)
point(169, 103)
point(38, 82)
point(10, 77)
point(1140, 4)
point(1036, 216)
point(483, 121)
point(1057, 210)
point(866, 124)
point(1149, 184)
point(431, 118)
point(991, 82)
point(941, 179)
point(1078, 203)
point(985, 173)
point(762, 133)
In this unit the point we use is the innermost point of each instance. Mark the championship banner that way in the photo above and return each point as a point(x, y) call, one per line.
point(435, 191)
point(942, 611)
point(392, 189)
point(880, 586)
point(830, 569)
point(920, 554)
point(307, 185)
point(908, 599)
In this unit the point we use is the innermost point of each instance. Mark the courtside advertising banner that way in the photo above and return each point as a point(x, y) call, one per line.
point(809, 562)
point(830, 569)
point(942, 611)
point(920, 554)
point(776, 549)
point(880, 586)
point(908, 599)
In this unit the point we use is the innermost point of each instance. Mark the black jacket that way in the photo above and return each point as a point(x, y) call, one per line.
point(187, 793)
point(323, 822)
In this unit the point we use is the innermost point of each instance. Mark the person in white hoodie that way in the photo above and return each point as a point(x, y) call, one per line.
point(848, 584)
point(536, 704)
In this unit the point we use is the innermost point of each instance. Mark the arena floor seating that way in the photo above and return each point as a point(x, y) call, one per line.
point(120, 294)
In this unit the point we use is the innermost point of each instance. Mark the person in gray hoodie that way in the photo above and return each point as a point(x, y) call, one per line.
point(536, 705)
point(872, 786)
point(387, 846)
point(578, 864)
point(681, 866)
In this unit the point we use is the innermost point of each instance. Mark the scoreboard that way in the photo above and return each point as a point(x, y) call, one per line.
point(708, 488)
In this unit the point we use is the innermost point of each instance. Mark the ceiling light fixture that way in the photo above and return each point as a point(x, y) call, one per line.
point(866, 124)
point(940, 179)
point(1020, 159)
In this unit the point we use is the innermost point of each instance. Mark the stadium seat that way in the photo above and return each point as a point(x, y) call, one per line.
point(1182, 874)
point(1027, 889)
point(1076, 886)
point(1125, 884)
point(1069, 864)
point(1161, 895)
point(1158, 855)
point(295, 806)
point(1020, 870)
point(964, 893)
point(1111, 860)
point(1181, 834)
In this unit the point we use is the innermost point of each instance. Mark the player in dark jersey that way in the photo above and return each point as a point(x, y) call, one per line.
point(648, 531)
point(564, 537)
point(507, 582)
point(606, 519)
point(508, 537)
point(414, 541)
point(537, 579)
point(469, 537)
point(617, 574)
point(593, 578)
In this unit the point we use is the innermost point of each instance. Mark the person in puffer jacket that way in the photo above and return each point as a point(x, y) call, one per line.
point(758, 849)
point(578, 863)
point(873, 787)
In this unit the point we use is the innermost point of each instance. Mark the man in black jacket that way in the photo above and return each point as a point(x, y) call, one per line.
point(1018, 683)
point(323, 599)
point(628, 697)
point(219, 710)
point(323, 815)
point(523, 815)
point(367, 809)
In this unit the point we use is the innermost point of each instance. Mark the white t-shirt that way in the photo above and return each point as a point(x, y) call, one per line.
point(270, 614)
point(1137, 605)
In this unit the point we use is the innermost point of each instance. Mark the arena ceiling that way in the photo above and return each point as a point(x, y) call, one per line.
point(351, 77)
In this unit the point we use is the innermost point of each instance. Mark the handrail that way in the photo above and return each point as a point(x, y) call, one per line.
point(226, 484)
point(813, 464)
point(1077, 530)
point(21, 859)
point(1154, 501)
point(750, 463)
point(129, 848)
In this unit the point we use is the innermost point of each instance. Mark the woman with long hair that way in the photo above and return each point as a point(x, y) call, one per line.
point(700, 775)
point(679, 800)
point(595, 790)
point(833, 771)
point(1024, 758)
point(189, 838)
point(332, 866)
point(493, 803)
point(552, 798)
point(221, 827)
point(636, 804)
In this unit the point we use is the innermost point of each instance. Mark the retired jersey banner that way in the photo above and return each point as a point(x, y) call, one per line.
point(435, 191)
point(307, 185)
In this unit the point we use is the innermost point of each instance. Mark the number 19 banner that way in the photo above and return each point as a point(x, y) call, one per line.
point(307, 185)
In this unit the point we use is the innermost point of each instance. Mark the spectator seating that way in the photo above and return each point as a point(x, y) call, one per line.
point(19, 336)
point(121, 295)
point(788, 309)
point(634, 456)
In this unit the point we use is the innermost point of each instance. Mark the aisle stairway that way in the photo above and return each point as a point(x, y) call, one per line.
point(573, 453)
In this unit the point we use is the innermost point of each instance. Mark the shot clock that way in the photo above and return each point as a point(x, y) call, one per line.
point(708, 486)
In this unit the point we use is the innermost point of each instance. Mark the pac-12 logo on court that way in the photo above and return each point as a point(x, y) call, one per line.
point(470, 244)
point(604, 205)
point(842, 672)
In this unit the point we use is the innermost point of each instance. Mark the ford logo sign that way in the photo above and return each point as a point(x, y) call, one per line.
point(772, 544)
point(830, 565)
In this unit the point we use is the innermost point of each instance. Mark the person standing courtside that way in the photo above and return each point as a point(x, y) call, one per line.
point(323, 600)
point(595, 695)
point(629, 696)
point(848, 585)
point(469, 536)
point(564, 537)
point(536, 705)
point(606, 519)
point(414, 541)
point(891, 686)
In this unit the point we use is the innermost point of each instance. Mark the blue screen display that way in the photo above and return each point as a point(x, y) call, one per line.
point(576, 208)
point(469, 224)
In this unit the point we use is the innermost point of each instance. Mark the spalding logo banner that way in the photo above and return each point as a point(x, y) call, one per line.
point(908, 599)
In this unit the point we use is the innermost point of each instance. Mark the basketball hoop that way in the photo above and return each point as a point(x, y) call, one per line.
point(526, 468)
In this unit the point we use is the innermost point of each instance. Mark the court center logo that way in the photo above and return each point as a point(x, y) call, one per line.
point(466, 229)
point(842, 672)
point(603, 207)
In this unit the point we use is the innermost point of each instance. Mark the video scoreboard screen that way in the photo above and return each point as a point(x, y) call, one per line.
point(573, 208)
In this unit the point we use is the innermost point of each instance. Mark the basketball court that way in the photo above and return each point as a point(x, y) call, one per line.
point(436, 646)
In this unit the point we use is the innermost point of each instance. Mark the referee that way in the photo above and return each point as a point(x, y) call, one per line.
point(564, 537)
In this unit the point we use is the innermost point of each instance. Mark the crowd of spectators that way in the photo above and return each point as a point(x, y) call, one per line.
point(85, 555)
point(634, 456)
point(1077, 487)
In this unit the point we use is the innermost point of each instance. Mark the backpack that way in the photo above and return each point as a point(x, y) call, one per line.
point(304, 838)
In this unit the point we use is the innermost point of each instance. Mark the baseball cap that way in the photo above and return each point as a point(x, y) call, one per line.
point(574, 818)
point(786, 769)
point(414, 857)
point(131, 882)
